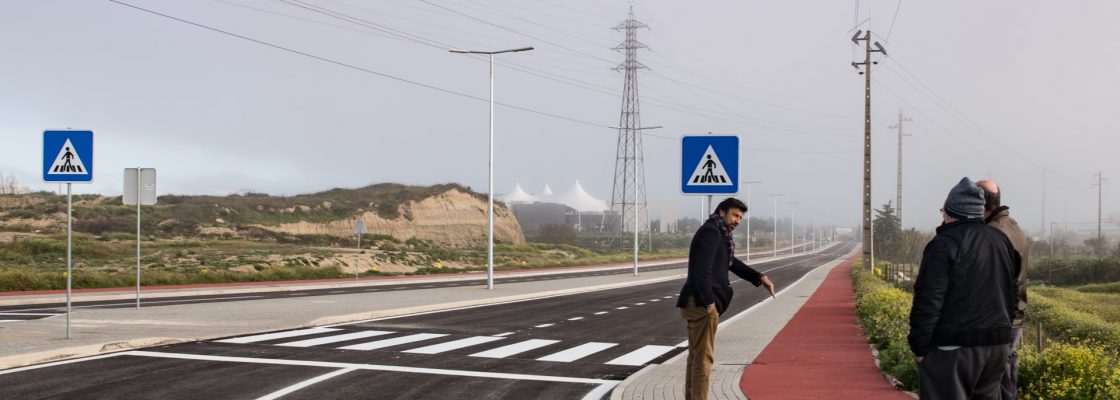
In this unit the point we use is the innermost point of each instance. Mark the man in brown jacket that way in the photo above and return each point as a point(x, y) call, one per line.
point(998, 216)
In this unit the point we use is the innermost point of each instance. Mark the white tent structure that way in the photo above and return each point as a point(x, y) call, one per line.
point(547, 191)
point(579, 200)
point(517, 196)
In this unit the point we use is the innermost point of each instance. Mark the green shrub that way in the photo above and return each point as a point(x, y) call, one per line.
point(1113, 287)
point(1069, 371)
point(898, 361)
point(884, 312)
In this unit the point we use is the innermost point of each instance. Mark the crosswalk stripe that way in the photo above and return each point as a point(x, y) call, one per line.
point(277, 335)
point(578, 352)
point(454, 344)
point(377, 344)
point(334, 339)
point(641, 356)
point(516, 348)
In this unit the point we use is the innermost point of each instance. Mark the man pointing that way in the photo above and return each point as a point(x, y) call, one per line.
point(707, 291)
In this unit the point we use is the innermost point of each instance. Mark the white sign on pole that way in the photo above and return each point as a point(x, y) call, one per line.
point(147, 184)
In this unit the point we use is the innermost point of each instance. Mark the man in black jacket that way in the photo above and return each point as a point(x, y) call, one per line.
point(964, 299)
point(707, 291)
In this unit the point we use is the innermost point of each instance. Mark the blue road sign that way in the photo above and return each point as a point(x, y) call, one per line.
point(709, 164)
point(68, 156)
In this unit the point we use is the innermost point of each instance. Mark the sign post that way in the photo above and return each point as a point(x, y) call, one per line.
point(68, 158)
point(139, 189)
point(359, 228)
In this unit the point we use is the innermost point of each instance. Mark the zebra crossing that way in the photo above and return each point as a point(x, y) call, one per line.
point(491, 347)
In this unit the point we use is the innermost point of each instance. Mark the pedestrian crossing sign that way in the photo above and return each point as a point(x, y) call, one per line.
point(68, 156)
point(709, 164)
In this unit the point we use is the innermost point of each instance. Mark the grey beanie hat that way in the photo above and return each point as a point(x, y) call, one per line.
point(966, 200)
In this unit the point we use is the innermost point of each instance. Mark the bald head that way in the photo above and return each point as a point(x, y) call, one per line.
point(991, 195)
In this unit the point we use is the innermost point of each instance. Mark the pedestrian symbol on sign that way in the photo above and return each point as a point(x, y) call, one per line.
point(67, 162)
point(709, 171)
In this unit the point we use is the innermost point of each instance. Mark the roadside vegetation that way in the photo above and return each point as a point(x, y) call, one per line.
point(1071, 337)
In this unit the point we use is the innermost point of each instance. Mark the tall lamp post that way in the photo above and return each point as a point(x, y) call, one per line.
point(792, 233)
point(748, 216)
point(775, 197)
point(490, 179)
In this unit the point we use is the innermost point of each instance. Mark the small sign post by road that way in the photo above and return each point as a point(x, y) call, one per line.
point(359, 228)
point(68, 158)
point(139, 189)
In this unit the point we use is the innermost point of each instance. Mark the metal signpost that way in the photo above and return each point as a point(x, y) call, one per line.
point(359, 228)
point(68, 158)
point(139, 189)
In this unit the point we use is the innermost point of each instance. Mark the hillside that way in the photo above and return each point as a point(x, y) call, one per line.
point(445, 215)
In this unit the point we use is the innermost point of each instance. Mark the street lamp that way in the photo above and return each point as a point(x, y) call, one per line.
point(748, 217)
point(775, 197)
point(792, 241)
point(490, 182)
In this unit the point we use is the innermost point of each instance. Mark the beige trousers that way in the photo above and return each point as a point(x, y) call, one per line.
point(701, 349)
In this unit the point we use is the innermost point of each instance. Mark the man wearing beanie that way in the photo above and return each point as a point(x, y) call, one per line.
point(964, 298)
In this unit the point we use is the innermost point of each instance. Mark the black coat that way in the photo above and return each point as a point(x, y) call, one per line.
point(966, 292)
point(708, 266)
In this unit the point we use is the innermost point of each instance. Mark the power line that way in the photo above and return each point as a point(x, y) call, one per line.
point(898, 7)
point(354, 67)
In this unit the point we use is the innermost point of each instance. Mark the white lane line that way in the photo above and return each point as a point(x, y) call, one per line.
point(27, 313)
point(505, 334)
point(544, 325)
point(290, 389)
point(601, 312)
point(641, 356)
point(577, 352)
point(667, 297)
point(575, 319)
point(13, 320)
point(639, 304)
point(454, 344)
point(652, 300)
point(372, 367)
point(334, 339)
point(516, 348)
point(277, 335)
point(622, 308)
point(394, 341)
point(600, 391)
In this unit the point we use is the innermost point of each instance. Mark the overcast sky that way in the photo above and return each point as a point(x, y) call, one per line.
point(1019, 91)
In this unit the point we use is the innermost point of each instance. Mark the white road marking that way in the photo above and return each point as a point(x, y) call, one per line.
point(652, 300)
point(622, 308)
point(544, 325)
point(334, 339)
point(290, 389)
point(17, 313)
point(454, 344)
point(277, 335)
point(575, 319)
point(641, 356)
point(372, 367)
point(600, 391)
point(394, 341)
point(667, 297)
point(12, 320)
point(578, 352)
point(516, 348)
point(505, 334)
point(601, 312)
point(640, 304)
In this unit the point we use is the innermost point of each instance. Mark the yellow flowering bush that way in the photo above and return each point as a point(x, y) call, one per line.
point(1069, 371)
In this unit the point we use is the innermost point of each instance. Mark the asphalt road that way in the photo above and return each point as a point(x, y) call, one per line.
point(563, 347)
point(15, 313)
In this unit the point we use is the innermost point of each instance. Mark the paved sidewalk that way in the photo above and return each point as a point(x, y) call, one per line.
point(821, 353)
point(739, 341)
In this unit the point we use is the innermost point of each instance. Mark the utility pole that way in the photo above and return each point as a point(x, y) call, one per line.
point(1100, 188)
point(866, 72)
point(748, 216)
point(775, 197)
point(898, 198)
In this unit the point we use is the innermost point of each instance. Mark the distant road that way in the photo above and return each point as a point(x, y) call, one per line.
point(564, 347)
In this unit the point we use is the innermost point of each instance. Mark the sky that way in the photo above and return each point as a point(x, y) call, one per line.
point(298, 96)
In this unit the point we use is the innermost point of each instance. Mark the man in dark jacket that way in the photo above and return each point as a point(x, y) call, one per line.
point(998, 216)
point(707, 291)
point(964, 299)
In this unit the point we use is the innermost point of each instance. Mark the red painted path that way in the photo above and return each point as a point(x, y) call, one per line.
point(821, 353)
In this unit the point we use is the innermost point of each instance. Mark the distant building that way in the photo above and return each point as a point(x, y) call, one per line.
point(573, 207)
